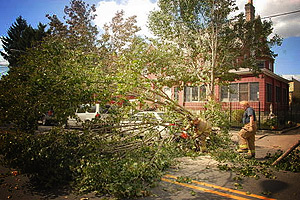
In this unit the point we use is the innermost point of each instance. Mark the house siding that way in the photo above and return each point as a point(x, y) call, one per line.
point(262, 80)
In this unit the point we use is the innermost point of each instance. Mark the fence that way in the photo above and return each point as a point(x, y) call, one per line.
point(268, 117)
point(295, 113)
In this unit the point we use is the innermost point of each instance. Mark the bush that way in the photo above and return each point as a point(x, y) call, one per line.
point(237, 116)
point(271, 121)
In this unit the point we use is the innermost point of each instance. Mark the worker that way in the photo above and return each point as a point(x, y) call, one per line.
point(248, 131)
point(200, 131)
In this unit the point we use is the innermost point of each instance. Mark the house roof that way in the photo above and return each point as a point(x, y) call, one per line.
point(246, 71)
point(273, 75)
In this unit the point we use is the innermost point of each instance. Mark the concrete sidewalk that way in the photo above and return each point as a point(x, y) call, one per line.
point(270, 142)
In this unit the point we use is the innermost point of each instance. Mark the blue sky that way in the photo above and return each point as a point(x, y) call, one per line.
point(288, 59)
point(287, 62)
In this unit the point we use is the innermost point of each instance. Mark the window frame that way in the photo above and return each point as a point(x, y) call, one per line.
point(261, 64)
point(228, 96)
point(194, 93)
point(254, 92)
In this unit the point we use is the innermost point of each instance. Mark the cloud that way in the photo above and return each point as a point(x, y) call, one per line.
point(106, 10)
point(1, 47)
point(2, 61)
point(285, 26)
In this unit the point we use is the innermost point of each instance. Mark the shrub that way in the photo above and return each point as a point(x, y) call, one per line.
point(237, 115)
point(271, 122)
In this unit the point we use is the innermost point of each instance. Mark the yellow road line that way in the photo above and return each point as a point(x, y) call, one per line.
point(205, 190)
point(225, 189)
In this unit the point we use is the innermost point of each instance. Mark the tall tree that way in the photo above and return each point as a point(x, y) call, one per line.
point(78, 29)
point(210, 40)
point(120, 32)
point(21, 36)
point(117, 39)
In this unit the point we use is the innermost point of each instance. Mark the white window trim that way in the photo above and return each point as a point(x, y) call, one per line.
point(191, 88)
point(238, 93)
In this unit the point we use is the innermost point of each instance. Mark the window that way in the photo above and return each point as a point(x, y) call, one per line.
point(269, 95)
point(224, 93)
point(285, 96)
point(233, 92)
point(271, 66)
point(176, 94)
point(194, 93)
point(229, 93)
point(202, 93)
point(240, 92)
point(168, 92)
point(243, 91)
point(261, 64)
point(187, 94)
point(254, 92)
point(92, 109)
point(278, 94)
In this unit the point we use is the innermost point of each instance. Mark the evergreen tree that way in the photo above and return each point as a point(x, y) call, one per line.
point(21, 36)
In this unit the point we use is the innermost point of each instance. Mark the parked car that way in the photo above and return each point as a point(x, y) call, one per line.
point(87, 113)
point(146, 121)
point(48, 119)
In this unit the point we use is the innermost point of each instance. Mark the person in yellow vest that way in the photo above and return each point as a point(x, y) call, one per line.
point(200, 130)
point(248, 131)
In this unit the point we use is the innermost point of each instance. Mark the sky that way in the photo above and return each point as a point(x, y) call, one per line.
point(287, 26)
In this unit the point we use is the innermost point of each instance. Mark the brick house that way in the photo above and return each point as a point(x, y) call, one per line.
point(261, 91)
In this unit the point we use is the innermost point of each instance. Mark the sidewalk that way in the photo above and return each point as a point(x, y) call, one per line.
point(272, 141)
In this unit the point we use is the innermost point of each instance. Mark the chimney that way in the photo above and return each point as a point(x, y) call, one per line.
point(250, 11)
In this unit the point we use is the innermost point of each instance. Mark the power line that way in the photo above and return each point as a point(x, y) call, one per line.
point(277, 15)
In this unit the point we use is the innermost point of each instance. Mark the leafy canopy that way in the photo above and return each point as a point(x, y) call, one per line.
point(210, 40)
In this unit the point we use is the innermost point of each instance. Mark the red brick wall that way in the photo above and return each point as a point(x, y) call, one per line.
point(262, 79)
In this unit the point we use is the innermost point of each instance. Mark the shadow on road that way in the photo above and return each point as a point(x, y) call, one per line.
point(273, 186)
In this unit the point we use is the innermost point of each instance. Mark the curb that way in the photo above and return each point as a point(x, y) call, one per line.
point(278, 132)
